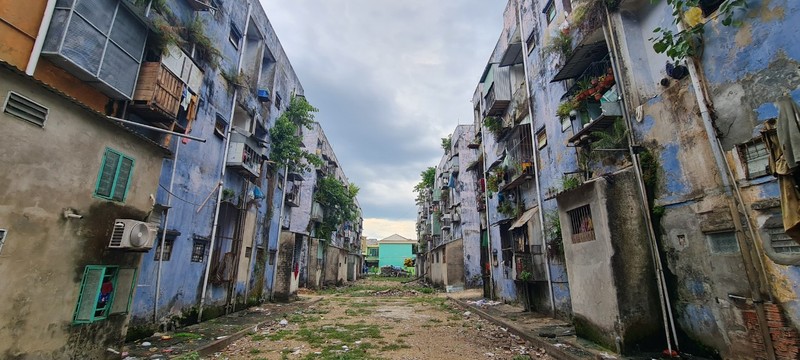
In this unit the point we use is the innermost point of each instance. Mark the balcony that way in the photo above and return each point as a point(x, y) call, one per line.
point(243, 156)
point(609, 113)
point(317, 212)
point(98, 41)
point(293, 197)
point(519, 104)
point(158, 93)
point(496, 104)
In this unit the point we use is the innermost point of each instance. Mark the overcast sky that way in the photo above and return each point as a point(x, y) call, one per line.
point(391, 78)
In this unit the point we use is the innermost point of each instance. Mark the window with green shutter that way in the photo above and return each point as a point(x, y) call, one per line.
point(104, 290)
point(115, 175)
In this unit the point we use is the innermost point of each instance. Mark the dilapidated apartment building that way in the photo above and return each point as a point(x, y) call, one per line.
point(142, 193)
point(641, 195)
point(448, 218)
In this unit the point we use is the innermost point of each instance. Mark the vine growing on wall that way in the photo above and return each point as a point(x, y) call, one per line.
point(286, 139)
point(339, 202)
point(688, 42)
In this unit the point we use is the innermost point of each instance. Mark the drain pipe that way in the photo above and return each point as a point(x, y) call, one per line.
point(164, 231)
point(280, 230)
point(731, 188)
point(664, 301)
point(535, 153)
point(488, 221)
point(38, 43)
point(216, 212)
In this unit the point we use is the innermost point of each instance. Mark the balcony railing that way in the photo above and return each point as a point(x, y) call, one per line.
point(97, 41)
point(243, 156)
point(293, 197)
point(495, 104)
point(158, 92)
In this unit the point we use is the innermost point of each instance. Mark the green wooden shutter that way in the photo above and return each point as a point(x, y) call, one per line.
point(89, 292)
point(105, 181)
point(123, 178)
point(123, 291)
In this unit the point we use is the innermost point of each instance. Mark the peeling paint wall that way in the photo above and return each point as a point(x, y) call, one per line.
point(45, 254)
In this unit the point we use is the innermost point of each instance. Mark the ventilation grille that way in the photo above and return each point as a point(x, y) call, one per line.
point(116, 236)
point(25, 109)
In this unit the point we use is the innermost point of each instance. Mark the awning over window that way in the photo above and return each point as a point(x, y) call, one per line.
point(581, 58)
point(526, 216)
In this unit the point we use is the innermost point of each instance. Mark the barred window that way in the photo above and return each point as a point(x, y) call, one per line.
point(782, 243)
point(198, 250)
point(755, 158)
point(582, 225)
point(723, 242)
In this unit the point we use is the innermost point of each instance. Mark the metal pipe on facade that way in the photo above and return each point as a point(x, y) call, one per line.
point(216, 211)
point(664, 301)
point(535, 153)
point(756, 279)
point(280, 230)
point(157, 129)
point(164, 231)
point(488, 221)
point(38, 43)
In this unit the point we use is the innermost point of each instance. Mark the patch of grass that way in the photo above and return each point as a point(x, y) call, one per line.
point(405, 334)
point(189, 356)
point(346, 334)
point(454, 317)
point(186, 335)
point(279, 335)
point(258, 337)
point(393, 347)
point(435, 320)
point(357, 312)
point(255, 351)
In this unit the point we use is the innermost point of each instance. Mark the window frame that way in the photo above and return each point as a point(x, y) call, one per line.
point(122, 157)
point(744, 153)
point(169, 242)
point(108, 308)
point(202, 252)
point(550, 11)
point(235, 32)
point(715, 250)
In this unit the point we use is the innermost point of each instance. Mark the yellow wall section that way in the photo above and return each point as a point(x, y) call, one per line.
point(19, 25)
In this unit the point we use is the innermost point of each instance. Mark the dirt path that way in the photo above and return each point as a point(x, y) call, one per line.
point(381, 320)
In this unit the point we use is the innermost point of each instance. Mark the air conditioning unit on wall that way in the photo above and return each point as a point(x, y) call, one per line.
point(132, 235)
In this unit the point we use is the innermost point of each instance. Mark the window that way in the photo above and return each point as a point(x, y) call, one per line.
point(278, 101)
point(220, 125)
point(541, 138)
point(755, 158)
point(168, 241)
point(530, 42)
point(723, 242)
point(373, 252)
point(782, 243)
point(25, 109)
point(115, 175)
point(235, 36)
point(506, 243)
point(550, 11)
point(272, 256)
point(581, 224)
point(198, 250)
point(566, 123)
point(248, 251)
point(104, 290)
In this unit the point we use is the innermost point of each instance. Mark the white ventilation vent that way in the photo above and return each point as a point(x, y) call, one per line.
point(25, 109)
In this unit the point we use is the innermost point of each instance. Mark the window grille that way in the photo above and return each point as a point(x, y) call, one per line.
point(782, 243)
point(198, 250)
point(104, 290)
point(167, 249)
point(723, 242)
point(581, 224)
point(755, 158)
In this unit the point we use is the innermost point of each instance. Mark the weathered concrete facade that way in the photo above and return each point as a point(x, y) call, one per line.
point(53, 172)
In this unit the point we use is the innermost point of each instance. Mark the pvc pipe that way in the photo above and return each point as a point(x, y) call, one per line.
point(280, 230)
point(164, 230)
point(157, 129)
point(664, 301)
point(38, 43)
point(535, 152)
point(216, 212)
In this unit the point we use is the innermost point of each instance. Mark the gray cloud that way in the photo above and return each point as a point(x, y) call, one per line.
point(390, 79)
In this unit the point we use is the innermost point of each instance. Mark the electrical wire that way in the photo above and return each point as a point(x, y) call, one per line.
point(177, 197)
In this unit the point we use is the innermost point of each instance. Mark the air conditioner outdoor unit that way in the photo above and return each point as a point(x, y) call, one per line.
point(132, 235)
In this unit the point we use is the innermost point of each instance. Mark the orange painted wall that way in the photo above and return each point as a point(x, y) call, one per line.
point(19, 25)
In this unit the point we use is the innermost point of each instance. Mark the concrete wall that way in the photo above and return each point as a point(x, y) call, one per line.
point(613, 287)
point(286, 278)
point(44, 255)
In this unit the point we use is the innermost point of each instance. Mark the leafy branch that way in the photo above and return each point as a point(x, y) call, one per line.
point(339, 201)
point(687, 42)
point(287, 143)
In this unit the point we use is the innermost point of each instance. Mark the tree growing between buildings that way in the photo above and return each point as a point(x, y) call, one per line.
point(339, 201)
point(426, 182)
point(286, 139)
